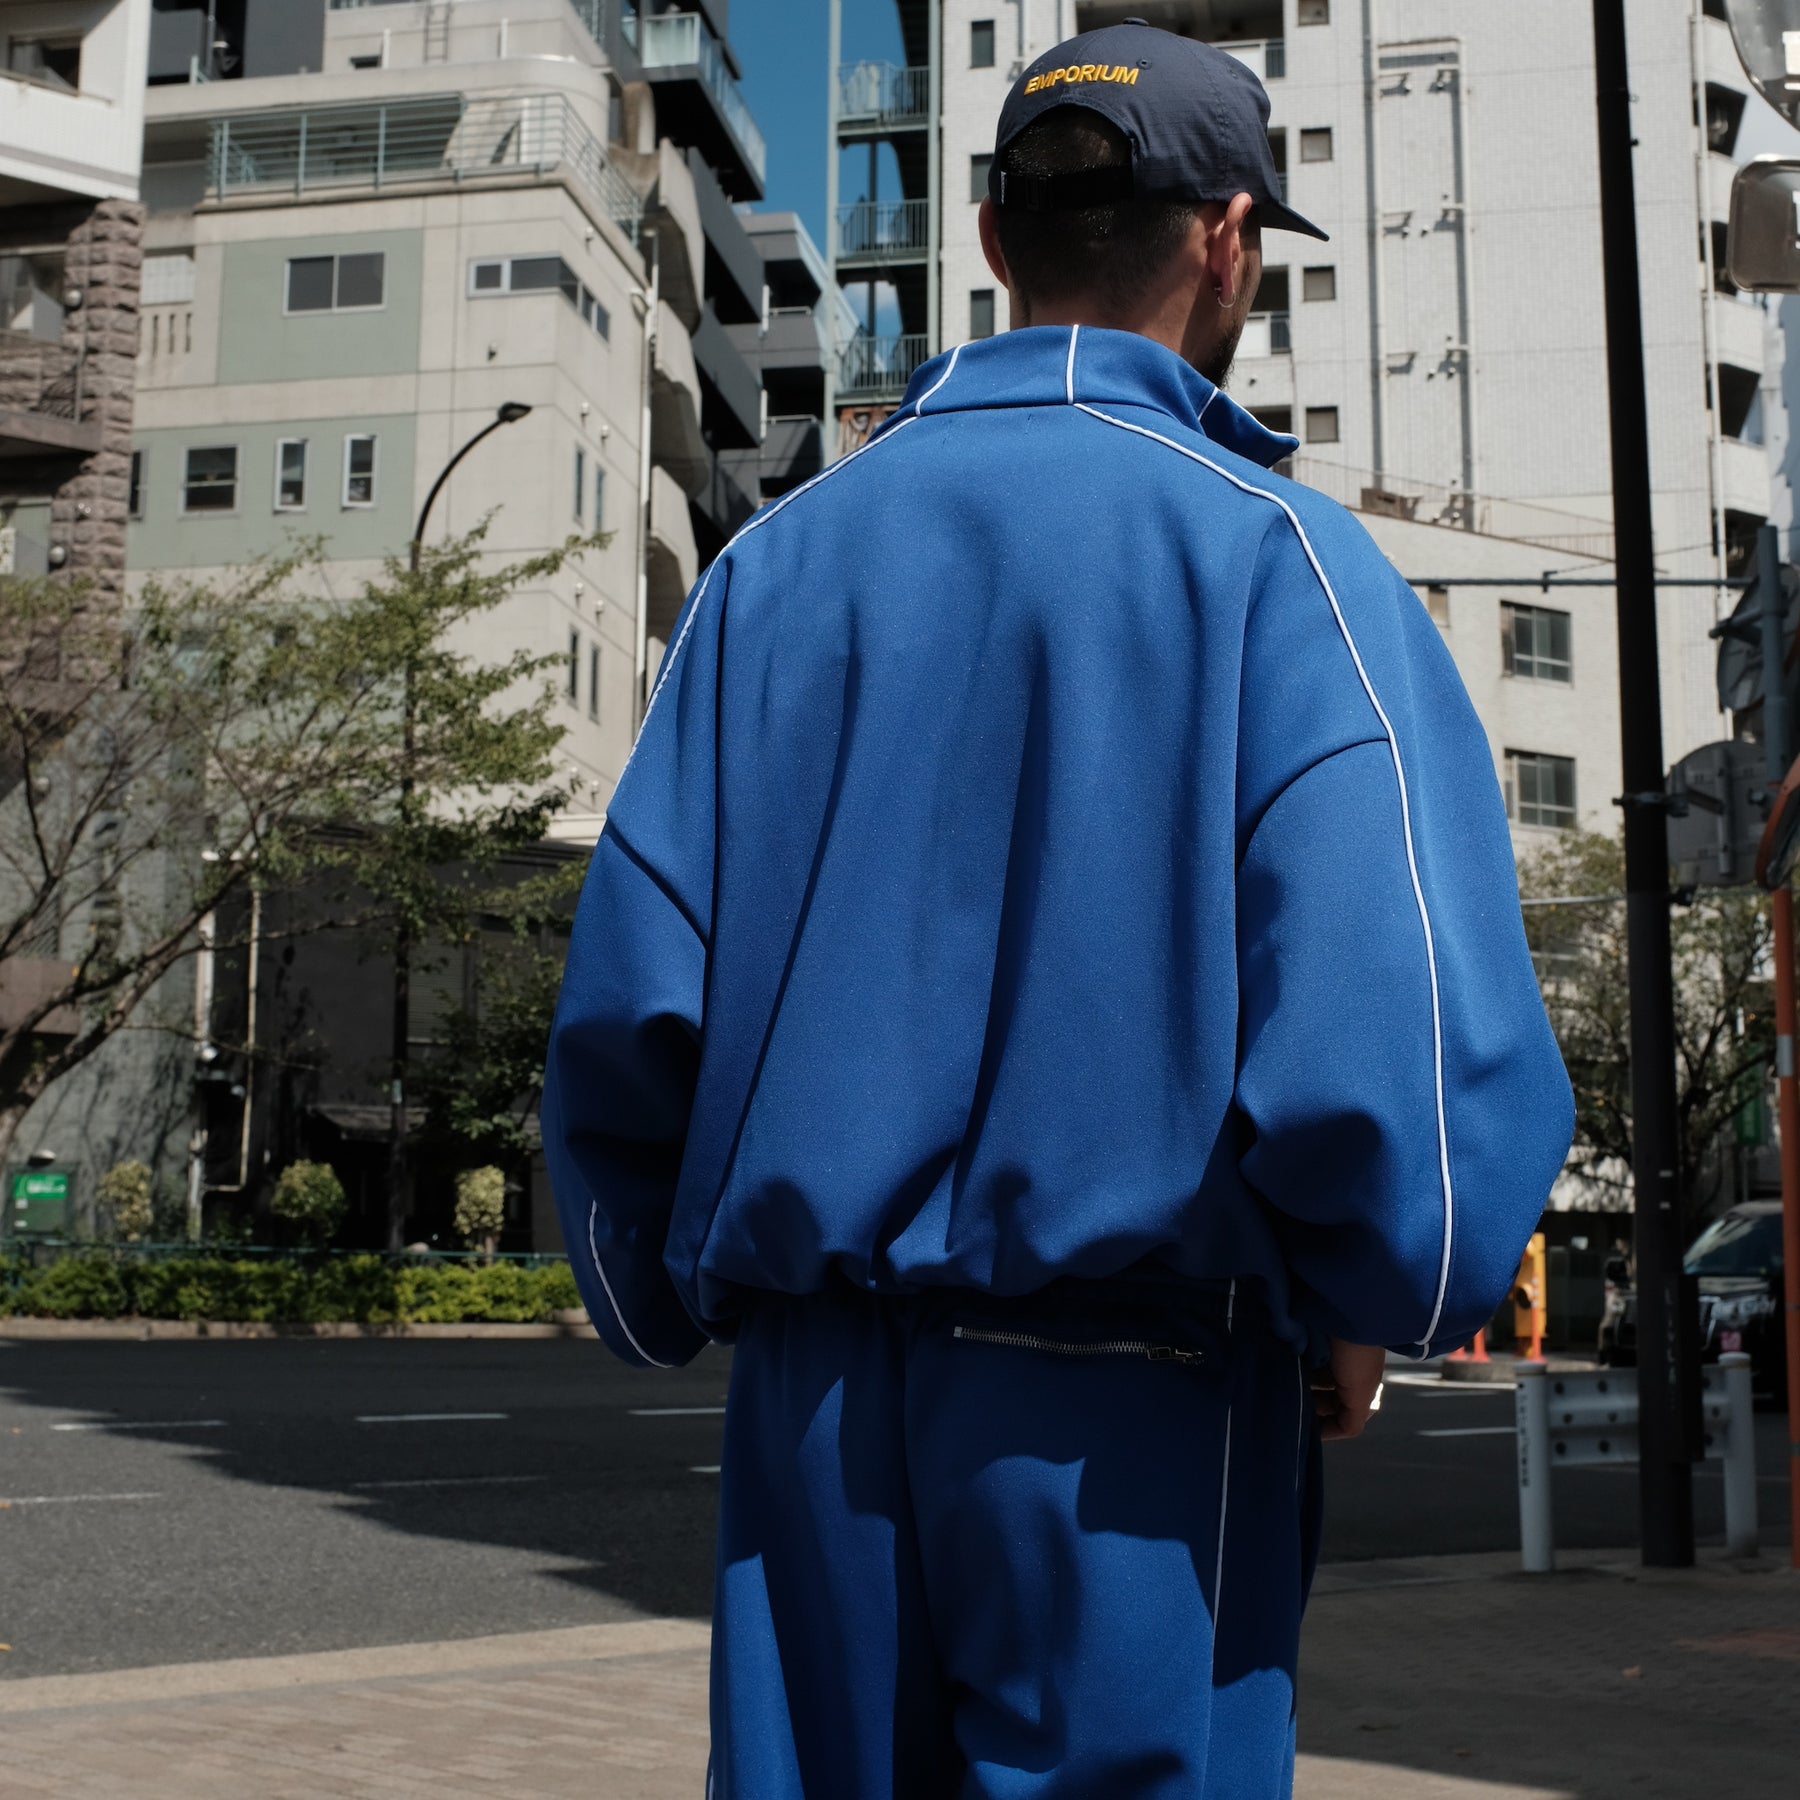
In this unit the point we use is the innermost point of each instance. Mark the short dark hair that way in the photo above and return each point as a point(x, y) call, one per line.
point(1109, 254)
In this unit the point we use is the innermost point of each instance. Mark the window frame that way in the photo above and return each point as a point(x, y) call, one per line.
point(187, 481)
point(136, 480)
point(282, 444)
point(572, 684)
point(599, 494)
point(1307, 272)
point(335, 258)
point(1314, 134)
point(1537, 664)
point(589, 307)
point(1321, 12)
point(992, 28)
point(1309, 414)
point(594, 680)
point(581, 484)
point(980, 163)
point(373, 440)
point(1541, 761)
point(990, 297)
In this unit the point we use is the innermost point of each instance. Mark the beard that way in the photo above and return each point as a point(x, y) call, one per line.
point(1216, 365)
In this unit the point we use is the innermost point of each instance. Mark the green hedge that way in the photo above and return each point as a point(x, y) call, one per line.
point(366, 1289)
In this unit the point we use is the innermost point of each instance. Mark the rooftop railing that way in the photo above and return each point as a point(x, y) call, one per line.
point(885, 230)
point(415, 141)
point(682, 40)
point(875, 368)
point(872, 93)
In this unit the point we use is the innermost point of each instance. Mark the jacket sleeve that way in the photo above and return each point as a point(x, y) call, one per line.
point(1406, 1101)
point(625, 1046)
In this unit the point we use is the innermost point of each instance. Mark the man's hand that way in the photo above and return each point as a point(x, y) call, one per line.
point(1347, 1389)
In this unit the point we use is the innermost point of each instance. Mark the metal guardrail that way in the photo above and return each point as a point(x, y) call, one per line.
point(1581, 1418)
point(1398, 496)
point(38, 376)
point(872, 93)
point(448, 137)
point(879, 231)
point(682, 40)
point(876, 368)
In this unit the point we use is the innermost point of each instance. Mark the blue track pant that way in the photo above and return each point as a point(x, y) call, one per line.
point(1052, 1549)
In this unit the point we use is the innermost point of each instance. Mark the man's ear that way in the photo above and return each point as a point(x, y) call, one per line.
point(990, 243)
point(1225, 259)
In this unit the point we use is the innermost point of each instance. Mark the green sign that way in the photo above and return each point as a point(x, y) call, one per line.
point(40, 1203)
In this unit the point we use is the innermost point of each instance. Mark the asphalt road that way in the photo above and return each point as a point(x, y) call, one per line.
point(177, 1502)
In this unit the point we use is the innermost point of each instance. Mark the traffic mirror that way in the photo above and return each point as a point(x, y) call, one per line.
point(1762, 246)
point(1718, 806)
point(1767, 35)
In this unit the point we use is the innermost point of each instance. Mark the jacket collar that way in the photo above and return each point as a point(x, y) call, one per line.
point(1067, 365)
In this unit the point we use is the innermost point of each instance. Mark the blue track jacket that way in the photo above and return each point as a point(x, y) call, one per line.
point(1056, 845)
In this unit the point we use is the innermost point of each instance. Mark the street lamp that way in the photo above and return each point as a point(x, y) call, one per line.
point(509, 414)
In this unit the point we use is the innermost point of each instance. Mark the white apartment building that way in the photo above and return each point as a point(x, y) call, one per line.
point(1442, 359)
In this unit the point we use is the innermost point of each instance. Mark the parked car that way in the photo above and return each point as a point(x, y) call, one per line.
point(1737, 1261)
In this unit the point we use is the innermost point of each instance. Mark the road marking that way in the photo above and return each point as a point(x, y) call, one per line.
point(703, 1468)
point(70, 1499)
point(423, 1418)
point(435, 1481)
point(675, 1412)
point(143, 1425)
point(1472, 1431)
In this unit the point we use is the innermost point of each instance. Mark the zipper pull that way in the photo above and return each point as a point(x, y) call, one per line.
point(1168, 1353)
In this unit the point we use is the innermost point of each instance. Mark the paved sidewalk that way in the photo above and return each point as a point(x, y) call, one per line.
point(1434, 1679)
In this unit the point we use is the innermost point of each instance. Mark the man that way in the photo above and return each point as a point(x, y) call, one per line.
point(1051, 986)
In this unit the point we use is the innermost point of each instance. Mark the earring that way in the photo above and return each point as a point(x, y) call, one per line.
point(1225, 301)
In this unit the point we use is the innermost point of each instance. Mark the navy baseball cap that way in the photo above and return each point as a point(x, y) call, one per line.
point(1197, 120)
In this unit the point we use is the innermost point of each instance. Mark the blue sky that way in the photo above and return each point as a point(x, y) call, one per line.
point(781, 44)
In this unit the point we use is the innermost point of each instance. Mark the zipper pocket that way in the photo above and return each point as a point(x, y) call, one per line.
point(1024, 1340)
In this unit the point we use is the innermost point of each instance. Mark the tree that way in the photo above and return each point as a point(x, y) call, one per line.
point(481, 1207)
point(1724, 1015)
point(310, 1200)
point(481, 1090)
point(128, 1193)
point(156, 763)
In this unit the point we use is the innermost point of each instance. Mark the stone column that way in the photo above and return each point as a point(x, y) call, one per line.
point(104, 261)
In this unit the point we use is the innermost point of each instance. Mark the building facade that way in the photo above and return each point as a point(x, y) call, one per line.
point(1442, 359)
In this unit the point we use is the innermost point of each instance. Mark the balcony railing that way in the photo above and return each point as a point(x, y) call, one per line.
point(883, 231)
point(1266, 334)
point(872, 93)
point(876, 368)
point(592, 13)
point(1266, 59)
point(680, 41)
point(410, 141)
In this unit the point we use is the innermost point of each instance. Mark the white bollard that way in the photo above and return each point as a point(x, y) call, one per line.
point(1531, 1407)
point(1741, 1534)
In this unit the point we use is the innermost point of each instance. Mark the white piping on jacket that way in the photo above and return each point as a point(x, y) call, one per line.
point(1412, 861)
point(1069, 373)
point(674, 651)
point(1224, 1481)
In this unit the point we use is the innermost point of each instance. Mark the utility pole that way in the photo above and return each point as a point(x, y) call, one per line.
point(1667, 1351)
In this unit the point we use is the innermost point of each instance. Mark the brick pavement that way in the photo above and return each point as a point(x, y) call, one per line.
point(1435, 1679)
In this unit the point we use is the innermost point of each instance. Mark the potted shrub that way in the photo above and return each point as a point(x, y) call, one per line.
point(309, 1200)
point(481, 1208)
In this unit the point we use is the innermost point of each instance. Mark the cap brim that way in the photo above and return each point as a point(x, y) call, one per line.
point(1271, 215)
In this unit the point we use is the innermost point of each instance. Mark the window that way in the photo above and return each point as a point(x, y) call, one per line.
point(1321, 424)
point(1534, 643)
point(209, 483)
point(290, 475)
point(978, 175)
point(594, 682)
point(538, 275)
point(56, 62)
point(1315, 144)
point(372, 61)
point(336, 283)
point(574, 687)
point(1437, 603)
point(359, 470)
point(599, 495)
point(1315, 12)
point(981, 44)
point(167, 279)
point(1540, 790)
point(580, 482)
point(981, 313)
point(1318, 284)
point(134, 488)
